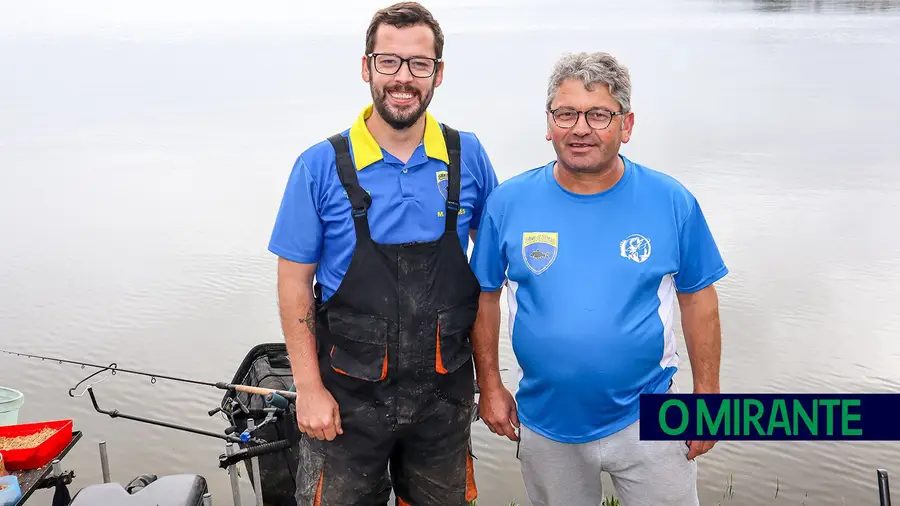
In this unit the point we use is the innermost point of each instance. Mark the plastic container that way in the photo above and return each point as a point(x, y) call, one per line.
point(10, 402)
point(10, 492)
point(34, 458)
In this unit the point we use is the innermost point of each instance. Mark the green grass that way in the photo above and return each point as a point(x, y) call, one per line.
point(609, 501)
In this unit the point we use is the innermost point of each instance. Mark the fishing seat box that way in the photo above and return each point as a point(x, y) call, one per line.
point(267, 365)
point(173, 490)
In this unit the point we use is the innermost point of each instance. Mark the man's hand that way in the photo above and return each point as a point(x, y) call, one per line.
point(698, 448)
point(317, 413)
point(497, 407)
point(703, 338)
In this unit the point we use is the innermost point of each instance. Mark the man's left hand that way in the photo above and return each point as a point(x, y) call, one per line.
point(698, 448)
point(703, 339)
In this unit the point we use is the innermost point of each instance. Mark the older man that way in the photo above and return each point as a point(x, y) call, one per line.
point(595, 250)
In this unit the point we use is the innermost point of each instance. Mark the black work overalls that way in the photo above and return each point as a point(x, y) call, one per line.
point(394, 351)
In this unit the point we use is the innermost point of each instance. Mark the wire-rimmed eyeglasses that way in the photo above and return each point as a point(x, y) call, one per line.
point(389, 64)
point(598, 119)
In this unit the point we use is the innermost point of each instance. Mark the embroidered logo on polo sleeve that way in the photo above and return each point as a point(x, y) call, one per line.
point(539, 250)
point(635, 247)
point(443, 179)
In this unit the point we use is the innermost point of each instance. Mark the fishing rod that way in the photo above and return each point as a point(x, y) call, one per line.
point(277, 401)
point(269, 393)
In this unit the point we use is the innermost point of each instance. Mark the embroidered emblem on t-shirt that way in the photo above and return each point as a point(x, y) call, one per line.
point(443, 179)
point(539, 250)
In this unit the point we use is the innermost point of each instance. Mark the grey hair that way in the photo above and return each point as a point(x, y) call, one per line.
point(592, 69)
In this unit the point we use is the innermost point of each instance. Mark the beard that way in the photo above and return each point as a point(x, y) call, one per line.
point(407, 117)
point(582, 166)
point(594, 163)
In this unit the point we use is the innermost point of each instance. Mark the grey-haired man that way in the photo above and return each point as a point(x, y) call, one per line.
point(595, 251)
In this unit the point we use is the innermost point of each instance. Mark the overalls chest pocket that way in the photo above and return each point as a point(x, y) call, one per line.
point(359, 348)
point(453, 347)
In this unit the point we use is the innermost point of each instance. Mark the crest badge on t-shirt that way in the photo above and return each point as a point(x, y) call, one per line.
point(539, 250)
point(443, 179)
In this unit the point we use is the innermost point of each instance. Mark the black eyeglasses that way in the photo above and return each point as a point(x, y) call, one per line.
point(389, 64)
point(598, 119)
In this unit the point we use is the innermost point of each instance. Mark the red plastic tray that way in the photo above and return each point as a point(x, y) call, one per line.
point(34, 458)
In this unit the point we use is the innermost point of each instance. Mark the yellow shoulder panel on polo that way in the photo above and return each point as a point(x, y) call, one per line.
point(366, 150)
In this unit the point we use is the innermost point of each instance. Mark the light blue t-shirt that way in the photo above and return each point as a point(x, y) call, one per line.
point(314, 222)
point(592, 282)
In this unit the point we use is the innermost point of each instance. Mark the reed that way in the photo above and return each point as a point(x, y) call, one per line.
point(608, 501)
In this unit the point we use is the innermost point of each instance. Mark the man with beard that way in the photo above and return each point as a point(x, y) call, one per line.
point(382, 214)
point(595, 250)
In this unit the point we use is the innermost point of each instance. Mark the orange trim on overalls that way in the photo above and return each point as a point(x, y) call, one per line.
point(438, 361)
point(318, 500)
point(384, 365)
point(471, 488)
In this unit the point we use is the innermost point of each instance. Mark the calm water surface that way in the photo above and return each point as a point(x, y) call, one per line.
point(141, 167)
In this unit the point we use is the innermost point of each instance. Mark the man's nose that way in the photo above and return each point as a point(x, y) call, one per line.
point(581, 126)
point(404, 75)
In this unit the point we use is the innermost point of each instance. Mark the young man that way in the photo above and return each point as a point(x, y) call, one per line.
point(594, 249)
point(382, 214)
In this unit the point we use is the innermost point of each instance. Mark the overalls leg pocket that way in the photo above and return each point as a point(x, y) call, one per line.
point(360, 345)
point(453, 347)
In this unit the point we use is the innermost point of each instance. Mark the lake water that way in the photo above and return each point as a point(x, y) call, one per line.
point(143, 154)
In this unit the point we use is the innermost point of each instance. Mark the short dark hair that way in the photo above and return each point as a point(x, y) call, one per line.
point(402, 15)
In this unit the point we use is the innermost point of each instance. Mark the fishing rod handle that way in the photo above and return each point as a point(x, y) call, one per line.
point(265, 391)
point(259, 390)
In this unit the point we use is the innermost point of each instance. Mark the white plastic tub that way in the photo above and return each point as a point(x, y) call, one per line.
point(10, 402)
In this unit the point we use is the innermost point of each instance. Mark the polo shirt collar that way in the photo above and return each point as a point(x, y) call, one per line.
point(366, 150)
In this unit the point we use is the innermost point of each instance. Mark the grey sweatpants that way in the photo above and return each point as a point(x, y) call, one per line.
point(644, 473)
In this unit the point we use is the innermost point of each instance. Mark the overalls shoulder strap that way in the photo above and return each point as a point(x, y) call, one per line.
point(451, 138)
point(360, 200)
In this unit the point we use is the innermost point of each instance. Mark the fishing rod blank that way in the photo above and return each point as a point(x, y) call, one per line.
point(113, 368)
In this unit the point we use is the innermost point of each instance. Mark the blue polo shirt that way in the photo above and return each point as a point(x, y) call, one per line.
point(592, 283)
point(314, 224)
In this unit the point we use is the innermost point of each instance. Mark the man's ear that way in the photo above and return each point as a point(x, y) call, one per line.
point(627, 125)
point(439, 75)
point(366, 76)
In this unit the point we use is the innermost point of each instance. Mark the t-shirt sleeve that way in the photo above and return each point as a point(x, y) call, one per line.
point(297, 234)
point(488, 259)
point(701, 264)
point(488, 182)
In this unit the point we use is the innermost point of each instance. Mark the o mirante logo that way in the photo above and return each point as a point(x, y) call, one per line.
point(799, 417)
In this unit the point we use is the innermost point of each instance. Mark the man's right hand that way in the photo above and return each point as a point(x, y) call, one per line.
point(497, 407)
point(317, 413)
